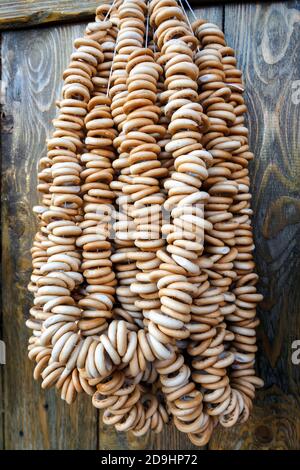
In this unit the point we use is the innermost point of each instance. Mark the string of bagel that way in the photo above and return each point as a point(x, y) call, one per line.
point(143, 275)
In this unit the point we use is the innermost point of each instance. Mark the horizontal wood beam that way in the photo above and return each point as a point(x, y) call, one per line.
point(21, 13)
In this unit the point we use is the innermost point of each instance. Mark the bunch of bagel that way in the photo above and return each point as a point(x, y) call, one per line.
point(143, 274)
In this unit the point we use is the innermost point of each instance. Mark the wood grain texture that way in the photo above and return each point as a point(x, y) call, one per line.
point(266, 40)
point(33, 62)
point(2, 410)
point(22, 13)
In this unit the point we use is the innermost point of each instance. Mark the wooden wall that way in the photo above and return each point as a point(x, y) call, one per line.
point(266, 39)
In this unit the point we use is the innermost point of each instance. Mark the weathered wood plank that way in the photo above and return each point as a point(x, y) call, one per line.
point(33, 62)
point(170, 438)
point(266, 40)
point(2, 359)
point(21, 13)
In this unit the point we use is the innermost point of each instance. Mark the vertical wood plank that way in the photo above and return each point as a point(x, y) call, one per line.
point(33, 62)
point(265, 37)
point(170, 438)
